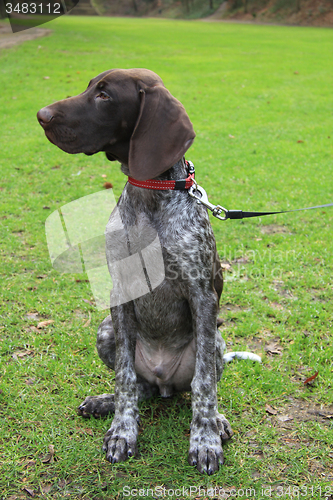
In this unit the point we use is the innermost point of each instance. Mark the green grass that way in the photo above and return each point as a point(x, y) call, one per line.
point(252, 93)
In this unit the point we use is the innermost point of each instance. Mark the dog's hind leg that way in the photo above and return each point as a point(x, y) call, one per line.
point(102, 405)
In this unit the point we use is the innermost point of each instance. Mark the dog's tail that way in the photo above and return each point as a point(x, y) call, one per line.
point(230, 356)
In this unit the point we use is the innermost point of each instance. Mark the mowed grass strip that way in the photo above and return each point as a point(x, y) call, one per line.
point(260, 100)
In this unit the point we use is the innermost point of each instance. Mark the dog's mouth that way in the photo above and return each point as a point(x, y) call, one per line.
point(66, 139)
point(61, 135)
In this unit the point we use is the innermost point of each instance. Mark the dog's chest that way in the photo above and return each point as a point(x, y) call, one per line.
point(166, 244)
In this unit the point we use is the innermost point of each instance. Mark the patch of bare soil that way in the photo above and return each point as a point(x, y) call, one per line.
point(231, 308)
point(9, 39)
point(227, 309)
point(259, 344)
point(279, 287)
point(298, 410)
point(273, 229)
point(286, 420)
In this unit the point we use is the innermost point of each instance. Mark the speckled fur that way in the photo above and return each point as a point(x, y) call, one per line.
point(178, 318)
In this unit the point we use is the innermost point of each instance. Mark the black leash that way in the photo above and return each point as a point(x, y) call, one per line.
point(222, 213)
point(239, 214)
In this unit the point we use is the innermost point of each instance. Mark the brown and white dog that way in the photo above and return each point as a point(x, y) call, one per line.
point(166, 340)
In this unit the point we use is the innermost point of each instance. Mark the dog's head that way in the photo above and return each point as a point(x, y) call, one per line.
point(130, 115)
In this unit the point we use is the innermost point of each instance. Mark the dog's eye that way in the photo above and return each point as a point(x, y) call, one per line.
point(103, 95)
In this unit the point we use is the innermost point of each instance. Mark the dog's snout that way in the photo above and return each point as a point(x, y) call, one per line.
point(44, 117)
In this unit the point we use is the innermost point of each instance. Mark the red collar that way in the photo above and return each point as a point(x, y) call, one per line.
point(180, 184)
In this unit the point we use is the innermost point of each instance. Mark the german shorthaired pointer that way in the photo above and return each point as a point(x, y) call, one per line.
point(166, 340)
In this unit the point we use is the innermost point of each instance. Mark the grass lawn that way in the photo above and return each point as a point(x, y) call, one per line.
point(260, 99)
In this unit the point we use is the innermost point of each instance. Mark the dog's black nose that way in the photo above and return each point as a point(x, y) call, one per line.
point(44, 117)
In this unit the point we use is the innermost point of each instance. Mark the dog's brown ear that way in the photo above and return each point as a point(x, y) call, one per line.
point(162, 134)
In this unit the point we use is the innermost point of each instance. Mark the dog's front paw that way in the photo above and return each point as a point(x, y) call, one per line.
point(206, 439)
point(97, 406)
point(224, 427)
point(120, 440)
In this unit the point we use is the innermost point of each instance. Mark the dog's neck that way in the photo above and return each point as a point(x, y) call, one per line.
point(177, 171)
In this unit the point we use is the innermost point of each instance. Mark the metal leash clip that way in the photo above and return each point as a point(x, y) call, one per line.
point(200, 195)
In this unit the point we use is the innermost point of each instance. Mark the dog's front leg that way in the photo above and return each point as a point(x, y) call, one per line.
point(208, 427)
point(120, 440)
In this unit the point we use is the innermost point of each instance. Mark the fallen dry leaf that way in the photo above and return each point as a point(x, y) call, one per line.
point(284, 418)
point(49, 459)
point(270, 410)
point(244, 259)
point(32, 315)
point(29, 463)
point(225, 266)
point(30, 381)
point(92, 303)
point(310, 379)
point(46, 488)
point(85, 430)
point(273, 348)
point(22, 354)
point(276, 305)
point(87, 323)
point(29, 491)
point(325, 415)
point(43, 324)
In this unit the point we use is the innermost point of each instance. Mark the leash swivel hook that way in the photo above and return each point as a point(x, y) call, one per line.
point(200, 195)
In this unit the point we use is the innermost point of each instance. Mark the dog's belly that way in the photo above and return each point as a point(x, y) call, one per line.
point(165, 350)
point(171, 371)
